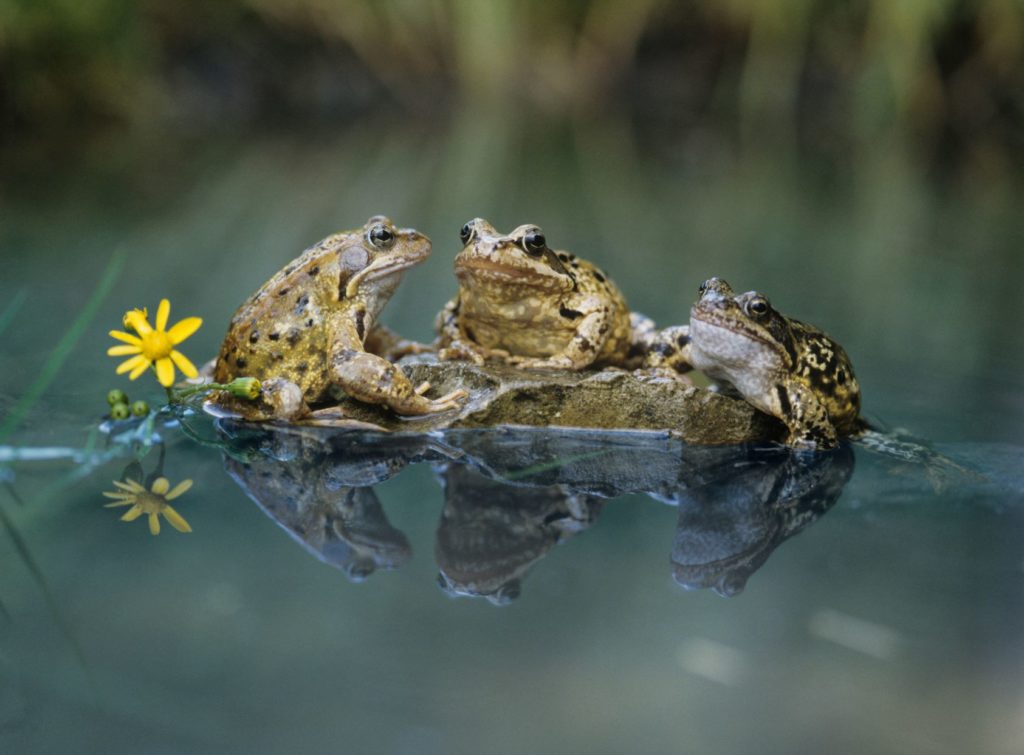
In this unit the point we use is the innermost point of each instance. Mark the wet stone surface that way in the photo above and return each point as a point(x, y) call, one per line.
point(607, 400)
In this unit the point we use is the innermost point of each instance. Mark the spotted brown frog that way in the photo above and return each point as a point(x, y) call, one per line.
point(309, 330)
point(528, 305)
point(782, 366)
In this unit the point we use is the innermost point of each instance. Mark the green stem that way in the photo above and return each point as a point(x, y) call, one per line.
point(176, 395)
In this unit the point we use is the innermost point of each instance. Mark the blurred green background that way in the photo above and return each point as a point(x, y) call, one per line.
point(828, 75)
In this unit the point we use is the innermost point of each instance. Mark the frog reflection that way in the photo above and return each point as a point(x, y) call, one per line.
point(316, 484)
point(491, 533)
point(737, 508)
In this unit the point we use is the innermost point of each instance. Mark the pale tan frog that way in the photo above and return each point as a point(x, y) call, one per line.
point(528, 305)
point(305, 332)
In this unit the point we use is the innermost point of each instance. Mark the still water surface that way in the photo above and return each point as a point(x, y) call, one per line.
point(532, 591)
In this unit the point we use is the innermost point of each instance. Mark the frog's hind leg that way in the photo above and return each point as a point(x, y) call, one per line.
point(279, 399)
point(374, 380)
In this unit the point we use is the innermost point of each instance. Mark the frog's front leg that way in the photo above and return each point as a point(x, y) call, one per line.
point(374, 380)
point(581, 351)
point(450, 343)
point(384, 342)
point(805, 416)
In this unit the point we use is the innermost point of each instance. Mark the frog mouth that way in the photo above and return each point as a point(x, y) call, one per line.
point(713, 319)
point(378, 270)
point(496, 271)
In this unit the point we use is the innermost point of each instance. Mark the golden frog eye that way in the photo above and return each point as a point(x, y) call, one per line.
point(534, 243)
point(381, 236)
point(758, 306)
point(467, 233)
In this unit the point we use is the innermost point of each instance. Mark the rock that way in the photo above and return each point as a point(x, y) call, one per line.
point(607, 399)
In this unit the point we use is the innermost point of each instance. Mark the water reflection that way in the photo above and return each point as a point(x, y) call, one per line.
point(738, 506)
point(512, 495)
point(492, 532)
point(319, 488)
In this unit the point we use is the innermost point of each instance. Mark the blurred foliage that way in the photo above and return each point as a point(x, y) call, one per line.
point(944, 71)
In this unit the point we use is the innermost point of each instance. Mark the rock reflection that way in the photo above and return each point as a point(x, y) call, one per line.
point(737, 507)
point(511, 495)
point(318, 487)
point(492, 532)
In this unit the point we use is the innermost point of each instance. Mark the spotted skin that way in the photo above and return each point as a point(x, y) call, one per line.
point(304, 332)
point(525, 304)
point(782, 366)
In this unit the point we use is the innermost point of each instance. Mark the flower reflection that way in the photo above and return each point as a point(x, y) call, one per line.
point(153, 502)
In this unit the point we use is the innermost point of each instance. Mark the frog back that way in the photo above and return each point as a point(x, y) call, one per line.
point(823, 366)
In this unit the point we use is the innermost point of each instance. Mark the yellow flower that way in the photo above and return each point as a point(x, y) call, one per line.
point(152, 502)
point(154, 345)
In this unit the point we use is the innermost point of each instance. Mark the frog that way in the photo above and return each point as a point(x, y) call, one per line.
point(530, 306)
point(311, 329)
point(780, 365)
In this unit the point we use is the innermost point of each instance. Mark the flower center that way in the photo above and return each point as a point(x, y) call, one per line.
point(150, 503)
point(156, 345)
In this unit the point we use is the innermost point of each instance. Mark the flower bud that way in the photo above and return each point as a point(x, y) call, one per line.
point(140, 408)
point(119, 411)
point(129, 318)
point(117, 396)
point(245, 387)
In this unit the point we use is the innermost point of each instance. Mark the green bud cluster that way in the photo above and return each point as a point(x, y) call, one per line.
point(121, 408)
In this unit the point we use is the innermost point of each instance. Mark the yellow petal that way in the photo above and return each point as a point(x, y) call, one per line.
point(178, 489)
point(118, 503)
point(139, 369)
point(131, 364)
point(176, 520)
point(165, 372)
point(160, 485)
point(132, 485)
point(184, 329)
point(120, 495)
point(132, 514)
point(126, 337)
point(123, 350)
point(184, 364)
point(154, 520)
point(162, 313)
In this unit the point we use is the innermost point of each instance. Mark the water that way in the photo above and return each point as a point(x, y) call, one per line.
point(881, 608)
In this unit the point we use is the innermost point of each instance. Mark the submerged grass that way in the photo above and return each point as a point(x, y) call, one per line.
point(11, 310)
point(27, 558)
point(64, 347)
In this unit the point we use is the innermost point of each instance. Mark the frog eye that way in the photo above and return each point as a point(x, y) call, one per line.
point(702, 288)
point(534, 243)
point(381, 236)
point(467, 233)
point(758, 306)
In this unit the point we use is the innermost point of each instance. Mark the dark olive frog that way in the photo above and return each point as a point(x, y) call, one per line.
point(782, 366)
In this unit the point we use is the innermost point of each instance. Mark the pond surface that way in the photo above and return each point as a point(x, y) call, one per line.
point(527, 591)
